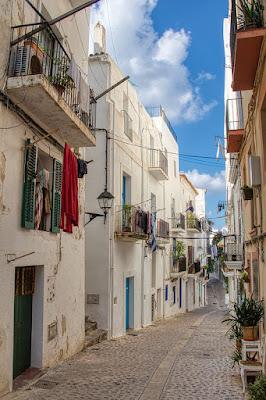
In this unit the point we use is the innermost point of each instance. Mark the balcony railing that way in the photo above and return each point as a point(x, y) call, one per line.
point(193, 223)
point(246, 36)
point(132, 222)
point(179, 222)
point(233, 251)
point(40, 56)
point(158, 164)
point(234, 124)
point(194, 268)
point(179, 265)
point(159, 112)
point(162, 229)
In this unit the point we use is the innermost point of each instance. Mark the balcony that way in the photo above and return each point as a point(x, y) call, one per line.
point(195, 268)
point(162, 231)
point(179, 223)
point(193, 223)
point(247, 34)
point(234, 125)
point(132, 223)
point(178, 267)
point(39, 82)
point(233, 254)
point(158, 165)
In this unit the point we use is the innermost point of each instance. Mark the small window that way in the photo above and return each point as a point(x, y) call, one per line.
point(126, 189)
point(166, 292)
point(128, 130)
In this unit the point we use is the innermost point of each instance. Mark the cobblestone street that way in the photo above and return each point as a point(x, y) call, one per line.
point(186, 358)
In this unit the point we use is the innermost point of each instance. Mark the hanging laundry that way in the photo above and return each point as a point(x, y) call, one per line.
point(38, 205)
point(82, 168)
point(74, 73)
point(42, 196)
point(84, 95)
point(69, 208)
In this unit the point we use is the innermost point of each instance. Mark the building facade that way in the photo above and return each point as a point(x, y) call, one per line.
point(42, 270)
point(247, 39)
point(142, 277)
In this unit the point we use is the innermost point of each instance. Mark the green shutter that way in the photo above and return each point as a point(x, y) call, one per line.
point(29, 186)
point(56, 197)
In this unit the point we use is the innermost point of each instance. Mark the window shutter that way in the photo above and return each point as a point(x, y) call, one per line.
point(56, 197)
point(29, 186)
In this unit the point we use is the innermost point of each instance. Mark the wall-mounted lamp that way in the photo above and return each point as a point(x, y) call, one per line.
point(105, 200)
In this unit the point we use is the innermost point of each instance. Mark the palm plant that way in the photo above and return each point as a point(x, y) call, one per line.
point(248, 313)
point(251, 14)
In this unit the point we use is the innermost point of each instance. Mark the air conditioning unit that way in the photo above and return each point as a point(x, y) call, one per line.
point(24, 61)
point(254, 171)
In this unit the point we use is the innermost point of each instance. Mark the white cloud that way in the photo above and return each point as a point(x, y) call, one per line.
point(156, 64)
point(205, 76)
point(213, 183)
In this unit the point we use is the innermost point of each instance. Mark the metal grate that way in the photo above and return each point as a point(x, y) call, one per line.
point(24, 281)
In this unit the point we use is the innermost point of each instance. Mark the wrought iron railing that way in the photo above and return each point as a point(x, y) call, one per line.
point(179, 222)
point(179, 265)
point(159, 160)
point(233, 250)
point(234, 114)
point(43, 53)
point(133, 220)
point(244, 19)
point(193, 222)
point(162, 229)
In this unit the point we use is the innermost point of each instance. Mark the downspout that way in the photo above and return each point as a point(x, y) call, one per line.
point(142, 243)
point(112, 222)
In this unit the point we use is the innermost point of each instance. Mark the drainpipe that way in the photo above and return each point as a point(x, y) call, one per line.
point(141, 130)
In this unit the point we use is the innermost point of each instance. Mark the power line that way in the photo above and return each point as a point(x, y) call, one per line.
point(112, 38)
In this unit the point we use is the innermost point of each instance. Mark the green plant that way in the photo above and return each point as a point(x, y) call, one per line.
point(236, 357)
point(251, 14)
point(178, 250)
point(244, 277)
point(235, 332)
point(248, 313)
point(60, 76)
point(257, 391)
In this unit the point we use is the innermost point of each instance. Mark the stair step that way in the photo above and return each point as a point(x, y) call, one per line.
point(94, 337)
point(90, 326)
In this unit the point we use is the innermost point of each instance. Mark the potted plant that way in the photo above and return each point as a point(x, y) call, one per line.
point(236, 333)
point(60, 78)
point(247, 192)
point(251, 14)
point(247, 314)
point(127, 218)
point(178, 251)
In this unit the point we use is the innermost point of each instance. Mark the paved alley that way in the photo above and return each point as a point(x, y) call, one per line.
point(186, 358)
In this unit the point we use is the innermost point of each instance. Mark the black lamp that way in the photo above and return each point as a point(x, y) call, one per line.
point(105, 200)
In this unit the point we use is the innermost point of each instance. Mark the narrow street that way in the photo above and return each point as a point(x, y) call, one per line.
point(186, 358)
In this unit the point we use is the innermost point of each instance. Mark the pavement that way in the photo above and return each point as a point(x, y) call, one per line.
point(182, 358)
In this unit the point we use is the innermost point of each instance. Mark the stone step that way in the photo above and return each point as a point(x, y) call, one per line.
point(94, 337)
point(90, 326)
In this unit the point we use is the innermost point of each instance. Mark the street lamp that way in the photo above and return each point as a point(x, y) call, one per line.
point(105, 200)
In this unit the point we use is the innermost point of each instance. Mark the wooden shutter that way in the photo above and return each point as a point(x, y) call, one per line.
point(29, 186)
point(56, 197)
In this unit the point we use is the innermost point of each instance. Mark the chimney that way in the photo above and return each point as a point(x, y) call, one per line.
point(99, 39)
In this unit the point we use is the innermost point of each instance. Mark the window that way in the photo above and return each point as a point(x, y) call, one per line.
point(166, 292)
point(41, 205)
point(126, 189)
point(128, 131)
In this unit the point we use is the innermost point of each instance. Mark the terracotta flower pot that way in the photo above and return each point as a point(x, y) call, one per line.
point(251, 332)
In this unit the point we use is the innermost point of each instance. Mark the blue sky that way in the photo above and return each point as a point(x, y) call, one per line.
point(173, 52)
point(204, 19)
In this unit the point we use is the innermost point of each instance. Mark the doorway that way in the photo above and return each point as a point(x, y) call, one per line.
point(24, 290)
point(129, 303)
point(180, 293)
point(153, 306)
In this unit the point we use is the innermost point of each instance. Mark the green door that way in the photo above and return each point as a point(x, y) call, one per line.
point(22, 334)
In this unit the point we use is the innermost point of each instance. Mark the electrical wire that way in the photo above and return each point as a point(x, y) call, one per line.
point(112, 38)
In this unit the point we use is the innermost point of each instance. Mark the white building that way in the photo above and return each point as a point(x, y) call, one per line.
point(233, 130)
point(42, 270)
point(129, 286)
